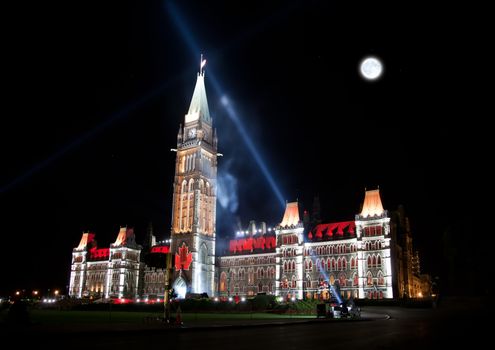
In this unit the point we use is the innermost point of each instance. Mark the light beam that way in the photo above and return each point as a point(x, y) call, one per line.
point(179, 22)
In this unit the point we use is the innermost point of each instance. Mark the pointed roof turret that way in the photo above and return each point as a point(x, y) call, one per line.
point(291, 215)
point(86, 239)
point(372, 205)
point(125, 238)
point(198, 109)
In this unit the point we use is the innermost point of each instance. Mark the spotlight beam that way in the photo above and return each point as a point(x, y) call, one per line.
point(179, 22)
point(124, 112)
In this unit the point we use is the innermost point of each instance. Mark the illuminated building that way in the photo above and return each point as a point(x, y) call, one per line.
point(194, 198)
point(355, 255)
point(368, 257)
point(106, 272)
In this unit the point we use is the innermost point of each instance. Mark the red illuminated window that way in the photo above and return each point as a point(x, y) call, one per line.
point(355, 280)
point(369, 279)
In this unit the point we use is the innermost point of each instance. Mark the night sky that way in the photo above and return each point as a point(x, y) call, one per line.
point(96, 93)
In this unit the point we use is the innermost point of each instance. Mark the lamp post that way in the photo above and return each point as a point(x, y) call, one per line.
point(166, 296)
point(228, 286)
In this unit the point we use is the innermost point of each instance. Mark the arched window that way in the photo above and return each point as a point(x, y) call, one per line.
point(223, 282)
point(293, 265)
point(334, 264)
point(373, 259)
point(294, 282)
point(369, 261)
point(369, 279)
point(379, 261)
point(329, 264)
point(285, 266)
point(352, 263)
point(339, 264)
point(250, 276)
point(344, 263)
point(284, 283)
point(308, 281)
point(203, 257)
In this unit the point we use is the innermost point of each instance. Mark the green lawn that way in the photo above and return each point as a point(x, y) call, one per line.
point(72, 317)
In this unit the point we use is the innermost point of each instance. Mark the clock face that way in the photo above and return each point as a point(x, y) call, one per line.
point(192, 132)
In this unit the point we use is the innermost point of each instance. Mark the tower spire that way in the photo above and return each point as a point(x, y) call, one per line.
point(201, 65)
point(198, 109)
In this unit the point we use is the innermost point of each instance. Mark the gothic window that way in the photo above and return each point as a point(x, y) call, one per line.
point(373, 261)
point(339, 264)
point(379, 261)
point(203, 254)
point(260, 287)
point(250, 276)
point(332, 279)
point(344, 263)
point(369, 279)
point(329, 264)
point(369, 261)
point(355, 280)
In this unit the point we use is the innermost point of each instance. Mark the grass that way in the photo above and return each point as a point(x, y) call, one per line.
point(94, 317)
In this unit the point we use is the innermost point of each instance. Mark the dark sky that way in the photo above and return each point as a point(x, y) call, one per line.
point(96, 92)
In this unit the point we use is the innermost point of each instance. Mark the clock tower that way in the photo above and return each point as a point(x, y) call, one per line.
point(194, 198)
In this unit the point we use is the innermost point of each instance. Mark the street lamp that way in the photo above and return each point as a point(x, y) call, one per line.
point(228, 286)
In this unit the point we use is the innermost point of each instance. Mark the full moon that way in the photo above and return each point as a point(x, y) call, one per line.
point(371, 68)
